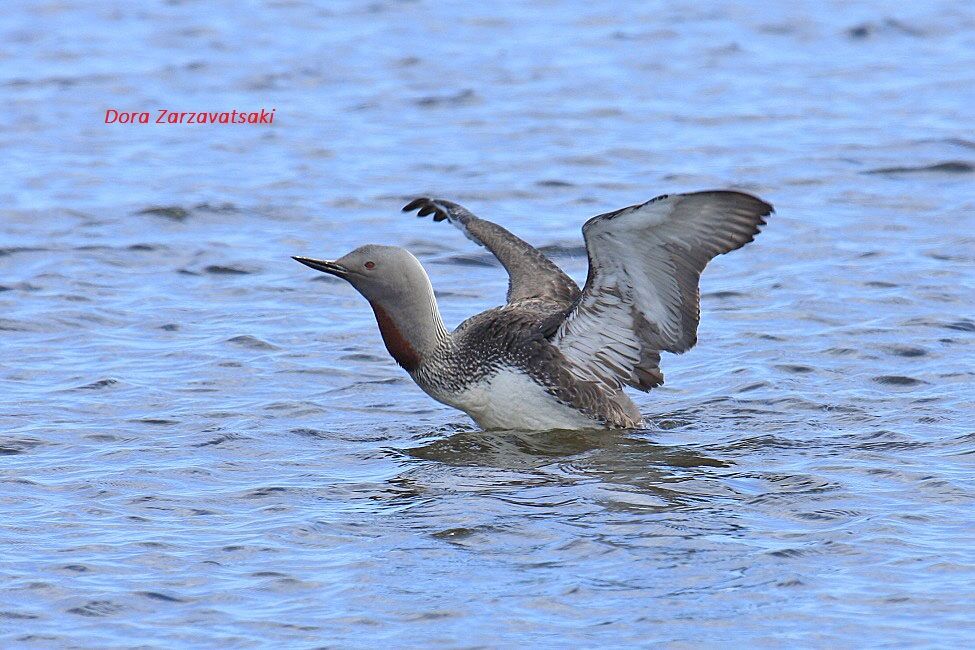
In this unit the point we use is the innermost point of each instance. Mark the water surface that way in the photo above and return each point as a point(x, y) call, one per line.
point(205, 445)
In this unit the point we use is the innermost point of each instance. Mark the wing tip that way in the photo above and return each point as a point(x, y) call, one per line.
point(416, 203)
point(752, 213)
point(647, 380)
point(426, 206)
point(754, 204)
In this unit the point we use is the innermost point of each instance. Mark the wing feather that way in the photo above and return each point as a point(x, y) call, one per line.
point(642, 295)
point(530, 273)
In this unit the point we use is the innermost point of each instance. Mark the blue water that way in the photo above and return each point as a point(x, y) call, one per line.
point(204, 443)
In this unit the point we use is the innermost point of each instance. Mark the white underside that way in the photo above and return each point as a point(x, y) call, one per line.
point(511, 400)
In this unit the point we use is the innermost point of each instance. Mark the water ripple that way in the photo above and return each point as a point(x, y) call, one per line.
point(204, 445)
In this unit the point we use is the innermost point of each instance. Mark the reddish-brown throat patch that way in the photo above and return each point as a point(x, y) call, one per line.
point(396, 343)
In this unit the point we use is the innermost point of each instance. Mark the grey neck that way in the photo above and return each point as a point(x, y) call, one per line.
point(413, 331)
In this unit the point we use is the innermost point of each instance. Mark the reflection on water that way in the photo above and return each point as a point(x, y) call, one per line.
point(644, 475)
point(203, 446)
point(535, 449)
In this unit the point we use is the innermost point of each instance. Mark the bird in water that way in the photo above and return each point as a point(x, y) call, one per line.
point(555, 357)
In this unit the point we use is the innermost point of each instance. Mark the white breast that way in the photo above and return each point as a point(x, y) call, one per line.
point(510, 399)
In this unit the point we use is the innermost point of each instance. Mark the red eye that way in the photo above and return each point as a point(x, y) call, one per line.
point(370, 265)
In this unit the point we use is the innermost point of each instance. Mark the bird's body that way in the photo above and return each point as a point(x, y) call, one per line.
point(501, 369)
point(555, 357)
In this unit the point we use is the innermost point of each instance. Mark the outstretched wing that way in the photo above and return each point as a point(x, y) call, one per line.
point(530, 273)
point(642, 294)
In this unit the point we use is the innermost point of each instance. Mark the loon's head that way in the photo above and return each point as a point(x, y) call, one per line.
point(399, 291)
point(385, 274)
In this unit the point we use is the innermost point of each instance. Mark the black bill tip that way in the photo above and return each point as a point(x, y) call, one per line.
point(322, 265)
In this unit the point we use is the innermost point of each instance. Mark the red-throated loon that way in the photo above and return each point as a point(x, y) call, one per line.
point(555, 357)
